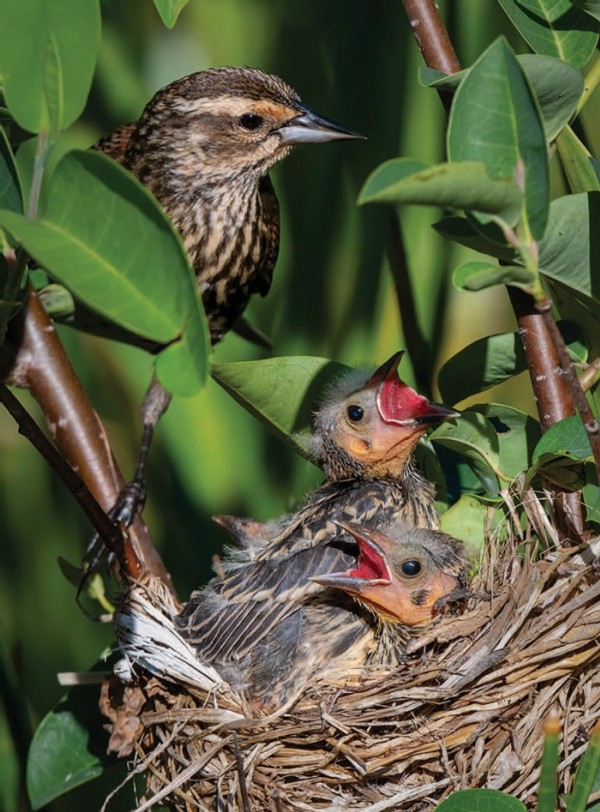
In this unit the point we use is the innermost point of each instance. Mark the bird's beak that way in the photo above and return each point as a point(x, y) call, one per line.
point(311, 128)
point(398, 403)
point(372, 567)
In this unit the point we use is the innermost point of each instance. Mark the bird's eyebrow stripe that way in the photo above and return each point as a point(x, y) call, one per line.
point(234, 106)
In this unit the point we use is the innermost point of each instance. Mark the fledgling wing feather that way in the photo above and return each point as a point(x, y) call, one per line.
point(263, 276)
point(115, 143)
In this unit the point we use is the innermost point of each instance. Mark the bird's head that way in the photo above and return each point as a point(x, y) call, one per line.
point(370, 429)
point(401, 576)
point(228, 122)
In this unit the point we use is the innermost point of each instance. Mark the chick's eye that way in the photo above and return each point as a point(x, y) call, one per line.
point(250, 121)
point(355, 413)
point(411, 568)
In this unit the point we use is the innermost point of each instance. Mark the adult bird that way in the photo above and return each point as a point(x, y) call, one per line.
point(364, 436)
point(203, 146)
point(358, 620)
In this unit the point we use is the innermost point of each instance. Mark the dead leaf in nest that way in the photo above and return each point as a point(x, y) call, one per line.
point(121, 704)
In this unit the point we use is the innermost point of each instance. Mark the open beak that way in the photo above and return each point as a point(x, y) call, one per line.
point(398, 403)
point(371, 569)
point(311, 128)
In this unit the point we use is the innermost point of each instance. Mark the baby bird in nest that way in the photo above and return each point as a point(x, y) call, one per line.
point(359, 619)
point(364, 437)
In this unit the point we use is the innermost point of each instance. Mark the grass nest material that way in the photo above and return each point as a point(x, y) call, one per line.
point(467, 708)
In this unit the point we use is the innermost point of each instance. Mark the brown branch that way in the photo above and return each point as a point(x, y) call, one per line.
point(554, 400)
point(39, 363)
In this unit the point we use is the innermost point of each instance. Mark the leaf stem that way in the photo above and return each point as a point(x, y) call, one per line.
point(591, 82)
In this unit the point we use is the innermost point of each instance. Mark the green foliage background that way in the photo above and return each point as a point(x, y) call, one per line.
point(333, 295)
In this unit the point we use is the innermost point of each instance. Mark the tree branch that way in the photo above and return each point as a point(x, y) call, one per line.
point(39, 363)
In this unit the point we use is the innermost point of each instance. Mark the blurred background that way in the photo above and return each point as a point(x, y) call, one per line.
point(333, 295)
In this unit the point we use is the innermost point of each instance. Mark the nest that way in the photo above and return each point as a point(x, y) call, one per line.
point(467, 708)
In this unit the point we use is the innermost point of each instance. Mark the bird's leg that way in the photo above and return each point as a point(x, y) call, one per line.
point(133, 496)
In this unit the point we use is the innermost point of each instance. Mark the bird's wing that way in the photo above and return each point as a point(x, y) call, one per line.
point(228, 619)
point(261, 279)
point(115, 143)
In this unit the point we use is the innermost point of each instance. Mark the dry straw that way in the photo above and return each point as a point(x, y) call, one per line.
point(466, 709)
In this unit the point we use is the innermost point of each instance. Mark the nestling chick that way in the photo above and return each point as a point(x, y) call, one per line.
point(370, 480)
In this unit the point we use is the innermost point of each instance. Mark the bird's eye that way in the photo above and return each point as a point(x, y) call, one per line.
point(355, 413)
point(411, 568)
point(250, 121)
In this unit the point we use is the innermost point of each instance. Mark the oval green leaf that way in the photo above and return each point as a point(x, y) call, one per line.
point(461, 230)
point(481, 800)
point(466, 520)
point(109, 242)
point(460, 185)
point(280, 392)
point(170, 10)
point(480, 275)
point(474, 438)
point(571, 35)
point(575, 159)
point(47, 57)
point(567, 438)
point(495, 119)
point(557, 86)
point(517, 434)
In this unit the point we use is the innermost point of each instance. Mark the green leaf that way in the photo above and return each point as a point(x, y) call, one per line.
point(10, 187)
point(474, 438)
point(557, 87)
point(47, 57)
point(495, 119)
point(517, 432)
point(480, 275)
point(170, 10)
point(466, 520)
point(589, 6)
point(68, 747)
point(586, 773)
point(570, 36)
point(89, 239)
point(280, 392)
point(480, 365)
point(566, 438)
point(548, 786)
point(569, 253)
point(575, 160)
point(462, 231)
point(460, 185)
point(480, 800)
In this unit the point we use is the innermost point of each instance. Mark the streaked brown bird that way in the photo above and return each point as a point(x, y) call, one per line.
point(364, 437)
point(203, 146)
point(357, 618)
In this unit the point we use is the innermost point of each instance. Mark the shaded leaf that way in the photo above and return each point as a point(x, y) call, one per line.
point(462, 231)
point(557, 86)
point(495, 119)
point(480, 800)
point(480, 275)
point(567, 438)
point(569, 253)
point(474, 438)
point(89, 240)
point(69, 746)
point(46, 90)
point(10, 188)
point(575, 160)
point(460, 185)
point(570, 36)
point(589, 6)
point(586, 774)
point(170, 10)
point(280, 392)
point(548, 783)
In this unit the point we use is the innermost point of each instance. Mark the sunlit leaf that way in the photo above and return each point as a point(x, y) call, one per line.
point(170, 10)
point(517, 434)
point(280, 392)
point(480, 275)
point(586, 774)
point(495, 119)
point(47, 57)
point(89, 239)
point(575, 160)
point(480, 800)
point(548, 784)
point(466, 520)
point(570, 36)
point(556, 84)
point(460, 185)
